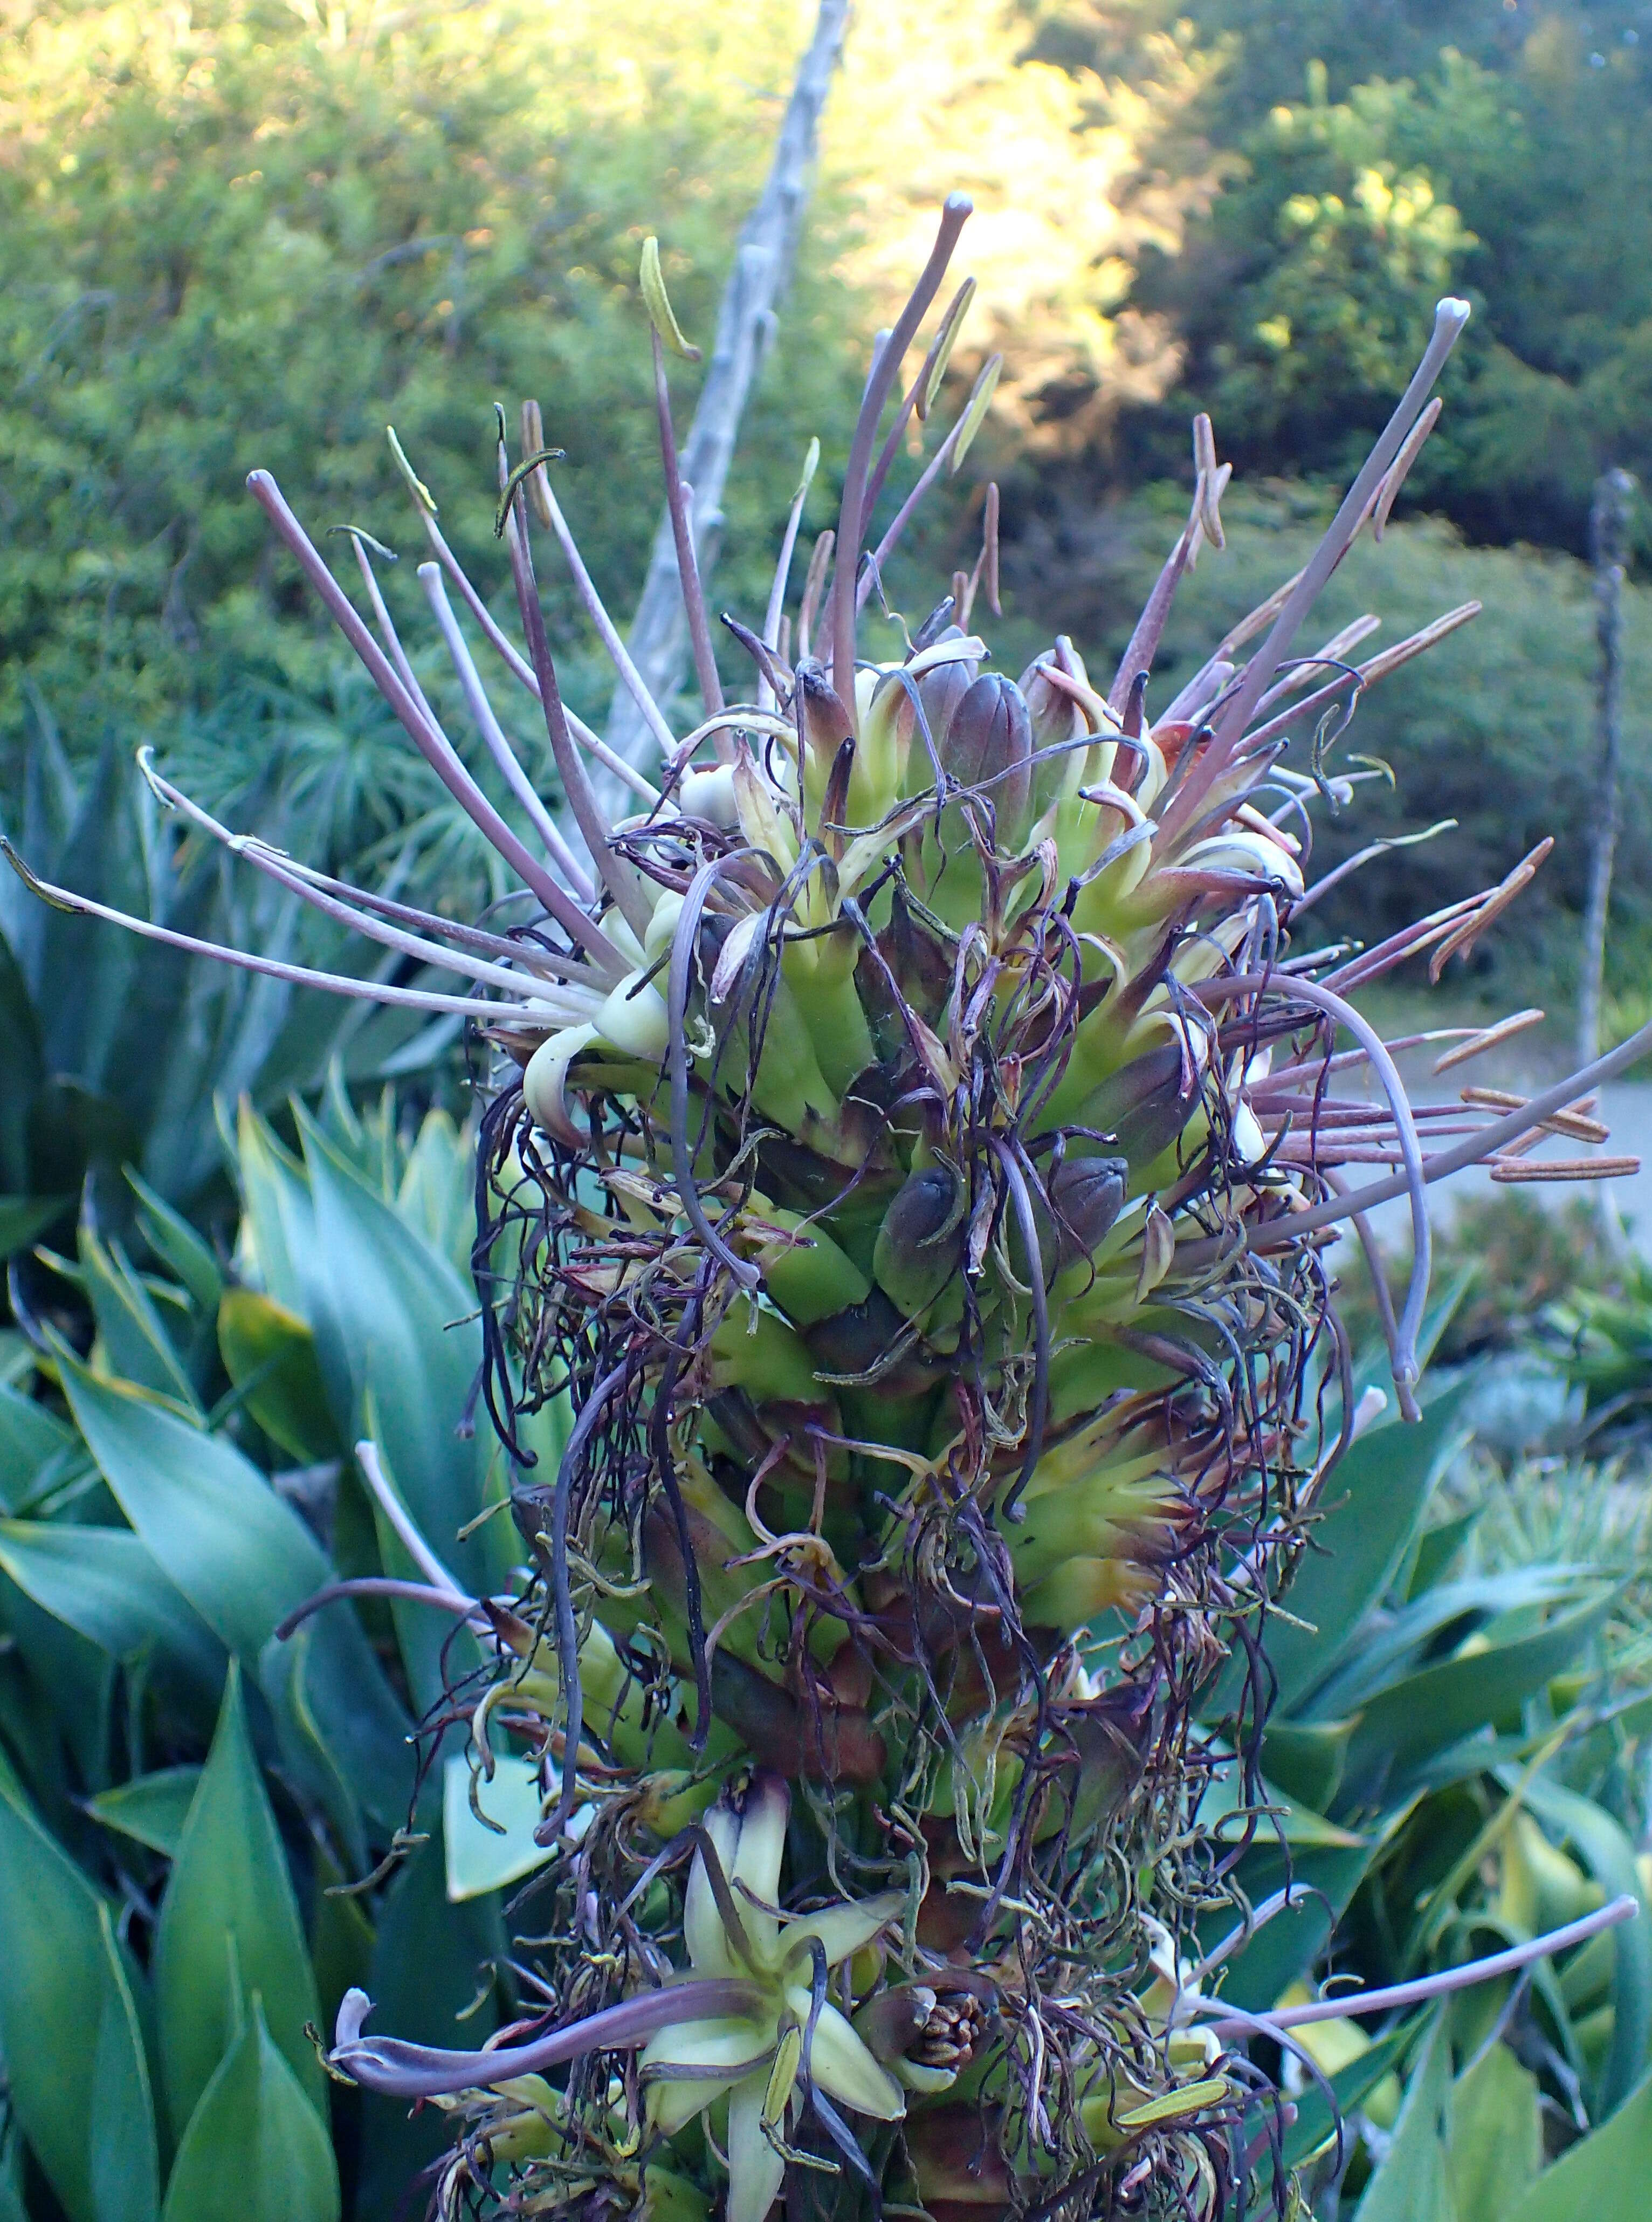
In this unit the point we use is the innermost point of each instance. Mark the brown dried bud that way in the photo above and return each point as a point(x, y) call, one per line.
point(952, 2028)
point(915, 2021)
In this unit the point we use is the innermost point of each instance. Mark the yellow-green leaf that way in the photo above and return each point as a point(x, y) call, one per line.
point(1596, 2180)
point(270, 1355)
point(69, 2030)
point(229, 1928)
point(1497, 2137)
point(255, 2151)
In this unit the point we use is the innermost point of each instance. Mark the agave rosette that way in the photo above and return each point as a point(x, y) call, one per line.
point(910, 1155)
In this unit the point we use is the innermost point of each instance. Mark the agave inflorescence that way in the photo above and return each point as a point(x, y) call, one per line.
point(911, 1154)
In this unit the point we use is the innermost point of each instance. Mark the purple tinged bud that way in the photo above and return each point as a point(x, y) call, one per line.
point(939, 692)
point(826, 724)
point(1056, 716)
point(988, 744)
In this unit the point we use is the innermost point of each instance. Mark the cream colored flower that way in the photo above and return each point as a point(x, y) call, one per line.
point(733, 1928)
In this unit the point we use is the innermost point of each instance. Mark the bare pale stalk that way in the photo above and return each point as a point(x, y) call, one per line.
point(432, 745)
point(493, 734)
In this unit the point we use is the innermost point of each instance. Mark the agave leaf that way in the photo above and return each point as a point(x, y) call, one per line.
point(1283, 1951)
point(1597, 2176)
point(1413, 1721)
point(341, 1940)
point(344, 1738)
point(478, 1860)
point(21, 1071)
point(254, 2149)
point(151, 1809)
point(241, 1557)
point(11, 2182)
point(1306, 1759)
point(280, 1225)
point(245, 1559)
point(1487, 1606)
point(22, 1218)
point(269, 1353)
point(75, 1678)
point(1299, 1824)
point(1412, 2184)
point(170, 1235)
point(229, 1928)
point(1497, 2137)
point(401, 1328)
point(1375, 1503)
point(1606, 1852)
point(433, 1652)
point(103, 1582)
point(437, 1194)
point(68, 2030)
point(72, 1130)
point(1435, 1553)
point(134, 1342)
point(1313, 2128)
point(29, 1731)
point(31, 1439)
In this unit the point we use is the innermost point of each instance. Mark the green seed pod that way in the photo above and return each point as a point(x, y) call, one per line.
point(920, 1244)
point(1146, 1103)
point(1087, 1196)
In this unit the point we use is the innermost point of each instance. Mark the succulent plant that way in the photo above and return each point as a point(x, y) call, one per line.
point(910, 1154)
